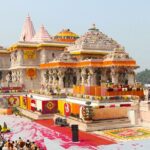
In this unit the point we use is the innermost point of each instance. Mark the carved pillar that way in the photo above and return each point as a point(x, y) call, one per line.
point(61, 76)
point(12, 59)
point(91, 77)
point(114, 75)
point(104, 76)
point(20, 57)
point(43, 77)
point(21, 77)
point(54, 80)
point(17, 78)
point(13, 76)
point(83, 76)
point(43, 57)
point(78, 75)
point(131, 77)
point(50, 77)
point(8, 78)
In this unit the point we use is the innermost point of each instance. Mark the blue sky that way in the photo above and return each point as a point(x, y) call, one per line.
point(127, 21)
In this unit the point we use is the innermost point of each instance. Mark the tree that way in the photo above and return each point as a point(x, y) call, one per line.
point(143, 76)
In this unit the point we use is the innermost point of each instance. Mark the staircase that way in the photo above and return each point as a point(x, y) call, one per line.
point(109, 124)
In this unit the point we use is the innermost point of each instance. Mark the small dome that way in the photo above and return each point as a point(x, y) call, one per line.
point(66, 36)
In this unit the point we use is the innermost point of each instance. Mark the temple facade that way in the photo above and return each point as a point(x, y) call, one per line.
point(91, 68)
point(42, 62)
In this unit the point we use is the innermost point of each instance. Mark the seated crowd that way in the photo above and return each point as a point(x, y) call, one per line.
point(17, 145)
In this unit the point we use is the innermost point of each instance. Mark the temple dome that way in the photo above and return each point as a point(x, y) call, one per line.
point(94, 40)
point(66, 36)
point(42, 35)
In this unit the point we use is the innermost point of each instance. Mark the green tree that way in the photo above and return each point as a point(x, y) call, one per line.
point(143, 76)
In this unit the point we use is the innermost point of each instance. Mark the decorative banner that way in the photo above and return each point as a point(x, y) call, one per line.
point(13, 101)
point(67, 109)
point(33, 105)
point(31, 73)
point(83, 109)
point(29, 54)
point(25, 101)
point(49, 107)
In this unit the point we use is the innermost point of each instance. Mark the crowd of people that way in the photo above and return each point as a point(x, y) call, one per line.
point(17, 145)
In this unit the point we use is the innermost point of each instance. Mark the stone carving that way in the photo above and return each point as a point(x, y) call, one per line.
point(94, 39)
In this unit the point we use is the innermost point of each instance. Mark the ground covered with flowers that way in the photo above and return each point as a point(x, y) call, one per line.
point(44, 130)
point(48, 136)
point(128, 133)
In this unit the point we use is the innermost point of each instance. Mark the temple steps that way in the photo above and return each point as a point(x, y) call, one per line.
point(35, 115)
point(99, 125)
point(109, 124)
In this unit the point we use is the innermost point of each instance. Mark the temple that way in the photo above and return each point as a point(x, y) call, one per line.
point(90, 77)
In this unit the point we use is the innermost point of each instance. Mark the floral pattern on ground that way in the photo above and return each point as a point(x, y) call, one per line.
point(45, 131)
point(128, 133)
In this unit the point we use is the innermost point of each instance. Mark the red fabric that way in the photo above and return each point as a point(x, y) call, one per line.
point(101, 106)
point(85, 138)
point(113, 105)
point(67, 109)
point(33, 102)
point(125, 105)
point(49, 107)
point(25, 100)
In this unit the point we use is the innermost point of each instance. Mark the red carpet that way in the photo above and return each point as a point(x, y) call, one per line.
point(86, 139)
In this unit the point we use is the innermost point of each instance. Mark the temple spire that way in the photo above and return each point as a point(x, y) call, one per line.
point(42, 35)
point(28, 30)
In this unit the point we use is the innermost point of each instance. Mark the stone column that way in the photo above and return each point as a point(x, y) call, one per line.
point(78, 75)
point(21, 77)
point(20, 57)
point(83, 76)
point(50, 77)
point(12, 60)
point(103, 76)
point(8, 79)
point(43, 57)
point(61, 76)
point(91, 77)
point(131, 78)
point(54, 80)
point(43, 78)
point(114, 75)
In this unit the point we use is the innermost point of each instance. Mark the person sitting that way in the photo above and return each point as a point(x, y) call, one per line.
point(5, 147)
point(1, 144)
point(16, 144)
point(21, 145)
point(20, 140)
point(33, 146)
point(28, 144)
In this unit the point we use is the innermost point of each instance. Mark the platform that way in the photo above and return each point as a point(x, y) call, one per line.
point(35, 115)
point(98, 125)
